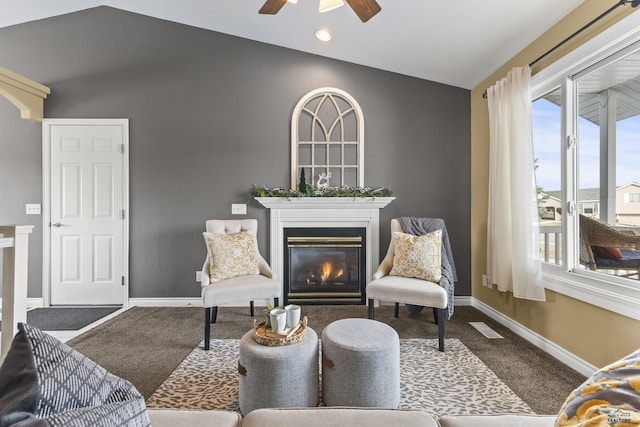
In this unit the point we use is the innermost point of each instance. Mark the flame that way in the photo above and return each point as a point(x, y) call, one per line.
point(327, 272)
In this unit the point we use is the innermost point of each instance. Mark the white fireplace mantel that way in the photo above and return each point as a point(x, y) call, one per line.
point(324, 212)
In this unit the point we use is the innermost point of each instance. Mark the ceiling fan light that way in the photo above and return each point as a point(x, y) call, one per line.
point(327, 5)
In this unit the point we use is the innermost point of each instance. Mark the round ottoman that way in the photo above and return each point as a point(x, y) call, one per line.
point(360, 364)
point(278, 377)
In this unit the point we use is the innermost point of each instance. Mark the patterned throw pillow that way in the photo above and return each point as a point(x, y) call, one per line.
point(611, 397)
point(418, 256)
point(44, 382)
point(231, 255)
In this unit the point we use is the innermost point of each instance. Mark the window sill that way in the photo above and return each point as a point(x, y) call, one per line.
point(615, 294)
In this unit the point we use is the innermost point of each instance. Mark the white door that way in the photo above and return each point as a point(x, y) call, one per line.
point(87, 226)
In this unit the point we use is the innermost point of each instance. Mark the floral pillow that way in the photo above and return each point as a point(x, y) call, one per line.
point(418, 256)
point(231, 255)
point(611, 397)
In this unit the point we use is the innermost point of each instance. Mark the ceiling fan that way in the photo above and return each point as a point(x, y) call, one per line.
point(365, 9)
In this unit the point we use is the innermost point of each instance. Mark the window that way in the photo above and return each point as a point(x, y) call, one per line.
point(586, 119)
point(548, 169)
point(632, 198)
point(589, 209)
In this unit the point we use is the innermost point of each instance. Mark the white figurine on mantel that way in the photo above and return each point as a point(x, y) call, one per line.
point(323, 180)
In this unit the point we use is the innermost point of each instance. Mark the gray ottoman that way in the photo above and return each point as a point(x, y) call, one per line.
point(278, 377)
point(360, 364)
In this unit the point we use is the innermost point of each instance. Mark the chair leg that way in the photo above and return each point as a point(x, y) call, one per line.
point(396, 310)
point(440, 322)
point(370, 309)
point(435, 315)
point(251, 308)
point(207, 327)
point(214, 314)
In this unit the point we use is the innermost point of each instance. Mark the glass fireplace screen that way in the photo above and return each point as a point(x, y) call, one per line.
point(327, 267)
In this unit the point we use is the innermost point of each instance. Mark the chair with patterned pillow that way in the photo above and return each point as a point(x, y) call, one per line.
point(234, 271)
point(418, 270)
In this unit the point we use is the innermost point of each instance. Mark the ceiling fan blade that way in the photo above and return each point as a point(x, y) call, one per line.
point(365, 9)
point(271, 7)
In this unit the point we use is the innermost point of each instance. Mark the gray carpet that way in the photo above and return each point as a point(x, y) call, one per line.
point(144, 345)
point(66, 318)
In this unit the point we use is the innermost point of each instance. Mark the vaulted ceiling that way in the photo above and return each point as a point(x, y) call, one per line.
point(458, 43)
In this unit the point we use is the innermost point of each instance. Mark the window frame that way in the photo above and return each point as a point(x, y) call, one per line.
point(612, 293)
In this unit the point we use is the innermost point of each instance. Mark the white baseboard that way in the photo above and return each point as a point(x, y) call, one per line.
point(165, 302)
point(538, 340)
point(32, 303)
point(463, 300)
point(193, 302)
point(184, 302)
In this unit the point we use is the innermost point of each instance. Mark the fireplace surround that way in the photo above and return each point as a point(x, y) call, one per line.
point(330, 213)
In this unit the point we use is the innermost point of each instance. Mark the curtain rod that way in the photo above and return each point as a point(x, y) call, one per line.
point(634, 3)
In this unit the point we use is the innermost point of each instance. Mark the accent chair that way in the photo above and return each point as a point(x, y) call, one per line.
point(407, 290)
point(234, 271)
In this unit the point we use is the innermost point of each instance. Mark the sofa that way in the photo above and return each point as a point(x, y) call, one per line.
point(337, 416)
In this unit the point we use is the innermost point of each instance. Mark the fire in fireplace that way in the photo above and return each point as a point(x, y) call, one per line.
point(324, 265)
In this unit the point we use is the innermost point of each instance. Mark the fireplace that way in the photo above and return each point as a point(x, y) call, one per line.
point(324, 265)
point(325, 213)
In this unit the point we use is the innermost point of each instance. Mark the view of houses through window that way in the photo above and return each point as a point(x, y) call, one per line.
point(607, 174)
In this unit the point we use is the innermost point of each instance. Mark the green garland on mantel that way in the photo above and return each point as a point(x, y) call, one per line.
point(262, 191)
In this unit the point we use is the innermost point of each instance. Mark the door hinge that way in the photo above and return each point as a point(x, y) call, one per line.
point(122, 148)
point(122, 280)
point(123, 214)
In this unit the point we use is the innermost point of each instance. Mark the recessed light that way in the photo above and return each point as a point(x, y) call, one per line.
point(323, 35)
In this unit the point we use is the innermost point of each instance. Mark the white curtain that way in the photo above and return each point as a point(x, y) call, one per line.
point(513, 255)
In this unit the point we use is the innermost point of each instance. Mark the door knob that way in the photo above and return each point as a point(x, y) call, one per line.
point(56, 224)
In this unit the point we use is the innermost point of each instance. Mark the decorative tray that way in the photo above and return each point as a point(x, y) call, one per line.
point(265, 336)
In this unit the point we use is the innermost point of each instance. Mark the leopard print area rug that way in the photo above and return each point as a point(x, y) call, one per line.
point(455, 382)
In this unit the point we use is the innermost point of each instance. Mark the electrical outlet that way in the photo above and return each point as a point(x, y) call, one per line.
point(238, 209)
point(485, 280)
point(33, 209)
point(199, 276)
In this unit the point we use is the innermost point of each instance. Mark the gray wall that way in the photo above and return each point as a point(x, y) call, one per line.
point(210, 116)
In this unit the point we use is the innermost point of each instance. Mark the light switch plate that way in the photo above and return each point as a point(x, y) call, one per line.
point(238, 209)
point(33, 209)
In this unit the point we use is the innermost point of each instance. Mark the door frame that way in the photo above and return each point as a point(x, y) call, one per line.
point(46, 199)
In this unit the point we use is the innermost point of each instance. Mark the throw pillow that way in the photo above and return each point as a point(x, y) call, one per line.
point(418, 256)
point(611, 397)
point(231, 255)
point(607, 252)
point(44, 382)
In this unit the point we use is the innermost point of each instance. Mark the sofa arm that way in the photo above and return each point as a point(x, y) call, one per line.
point(193, 418)
point(338, 417)
point(498, 421)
